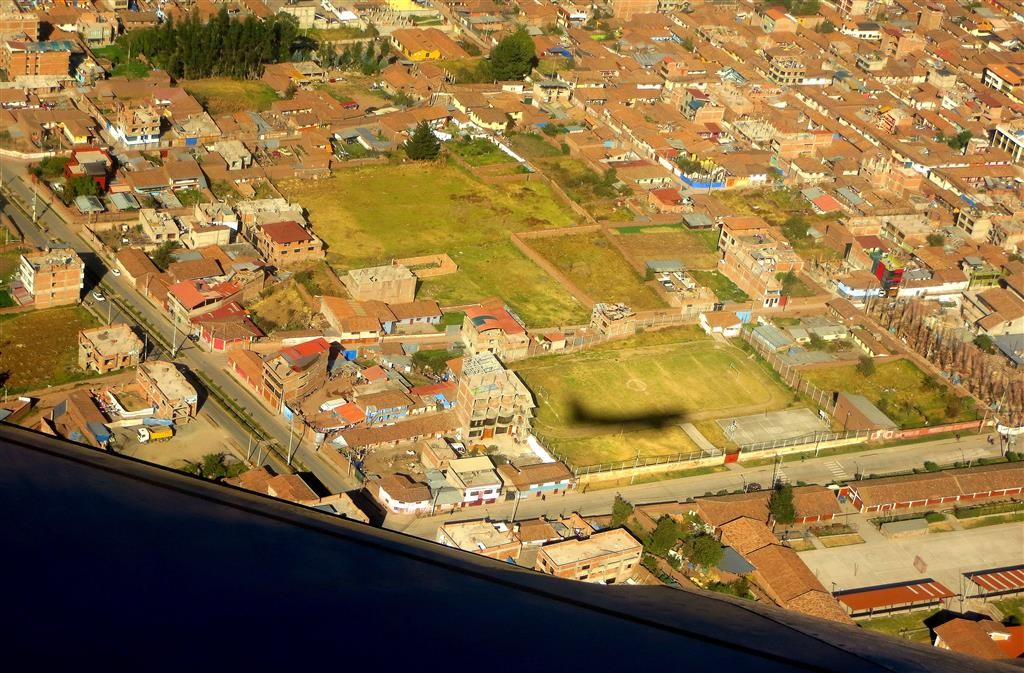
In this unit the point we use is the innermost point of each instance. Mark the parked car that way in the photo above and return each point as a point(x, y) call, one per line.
point(752, 487)
point(98, 296)
point(116, 273)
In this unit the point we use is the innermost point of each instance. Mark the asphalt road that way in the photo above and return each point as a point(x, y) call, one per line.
point(190, 355)
point(812, 471)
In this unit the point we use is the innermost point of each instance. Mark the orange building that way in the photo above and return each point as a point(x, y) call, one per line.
point(19, 58)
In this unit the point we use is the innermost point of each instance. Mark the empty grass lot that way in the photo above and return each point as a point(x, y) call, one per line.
point(719, 283)
point(605, 404)
point(220, 95)
point(695, 249)
point(909, 625)
point(373, 214)
point(901, 390)
point(591, 262)
point(775, 206)
point(40, 348)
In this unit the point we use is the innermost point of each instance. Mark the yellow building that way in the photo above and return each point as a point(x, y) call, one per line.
point(404, 6)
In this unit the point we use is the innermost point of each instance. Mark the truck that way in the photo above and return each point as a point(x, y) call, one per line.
point(155, 434)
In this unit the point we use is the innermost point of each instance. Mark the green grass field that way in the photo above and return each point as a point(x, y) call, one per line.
point(478, 152)
point(675, 373)
point(221, 95)
point(717, 282)
point(40, 348)
point(909, 625)
point(591, 262)
point(131, 68)
point(373, 214)
point(1011, 607)
point(902, 391)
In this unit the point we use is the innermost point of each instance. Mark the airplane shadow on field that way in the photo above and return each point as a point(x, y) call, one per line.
point(581, 416)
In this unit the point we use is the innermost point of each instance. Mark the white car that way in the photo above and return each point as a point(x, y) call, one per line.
point(116, 273)
point(98, 296)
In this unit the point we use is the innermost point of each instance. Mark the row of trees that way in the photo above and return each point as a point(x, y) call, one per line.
point(988, 377)
point(364, 57)
point(221, 47)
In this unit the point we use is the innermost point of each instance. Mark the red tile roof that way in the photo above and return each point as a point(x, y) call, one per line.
point(287, 232)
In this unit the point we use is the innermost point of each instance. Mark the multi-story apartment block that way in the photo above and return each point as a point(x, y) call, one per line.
point(51, 277)
point(284, 244)
point(754, 257)
point(491, 400)
point(606, 557)
point(136, 125)
point(21, 58)
point(104, 349)
point(295, 371)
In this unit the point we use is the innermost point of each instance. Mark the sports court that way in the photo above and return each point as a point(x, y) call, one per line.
point(772, 426)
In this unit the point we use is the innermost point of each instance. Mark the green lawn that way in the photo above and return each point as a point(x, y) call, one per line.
point(1011, 607)
point(591, 262)
point(40, 348)
point(717, 282)
point(123, 66)
point(6, 300)
point(478, 152)
point(533, 146)
point(221, 95)
point(597, 406)
point(909, 625)
point(9, 263)
point(902, 391)
point(373, 214)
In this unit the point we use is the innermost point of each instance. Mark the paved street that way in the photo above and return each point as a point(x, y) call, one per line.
point(190, 355)
point(813, 470)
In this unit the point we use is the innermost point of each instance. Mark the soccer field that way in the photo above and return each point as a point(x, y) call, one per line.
point(604, 405)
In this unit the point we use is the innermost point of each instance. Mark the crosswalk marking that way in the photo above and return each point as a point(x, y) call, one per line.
point(836, 469)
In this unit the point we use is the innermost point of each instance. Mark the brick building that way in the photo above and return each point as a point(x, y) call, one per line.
point(104, 349)
point(394, 284)
point(21, 58)
point(51, 277)
point(606, 557)
point(287, 243)
point(167, 389)
point(490, 328)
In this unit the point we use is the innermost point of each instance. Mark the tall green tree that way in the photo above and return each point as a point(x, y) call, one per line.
point(705, 551)
point(514, 57)
point(664, 537)
point(423, 145)
point(621, 510)
point(780, 504)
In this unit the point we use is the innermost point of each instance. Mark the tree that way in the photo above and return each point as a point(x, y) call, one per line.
point(689, 166)
point(866, 366)
point(621, 511)
point(705, 551)
point(826, 27)
point(985, 343)
point(960, 140)
point(795, 228)
point(935, 240)
point(514, 57)
point(423, 145)
point(789, 281)
point(164, 255)
point(780, 504)
point(664, 537)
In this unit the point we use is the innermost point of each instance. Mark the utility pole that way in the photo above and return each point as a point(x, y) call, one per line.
point(291, 436)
